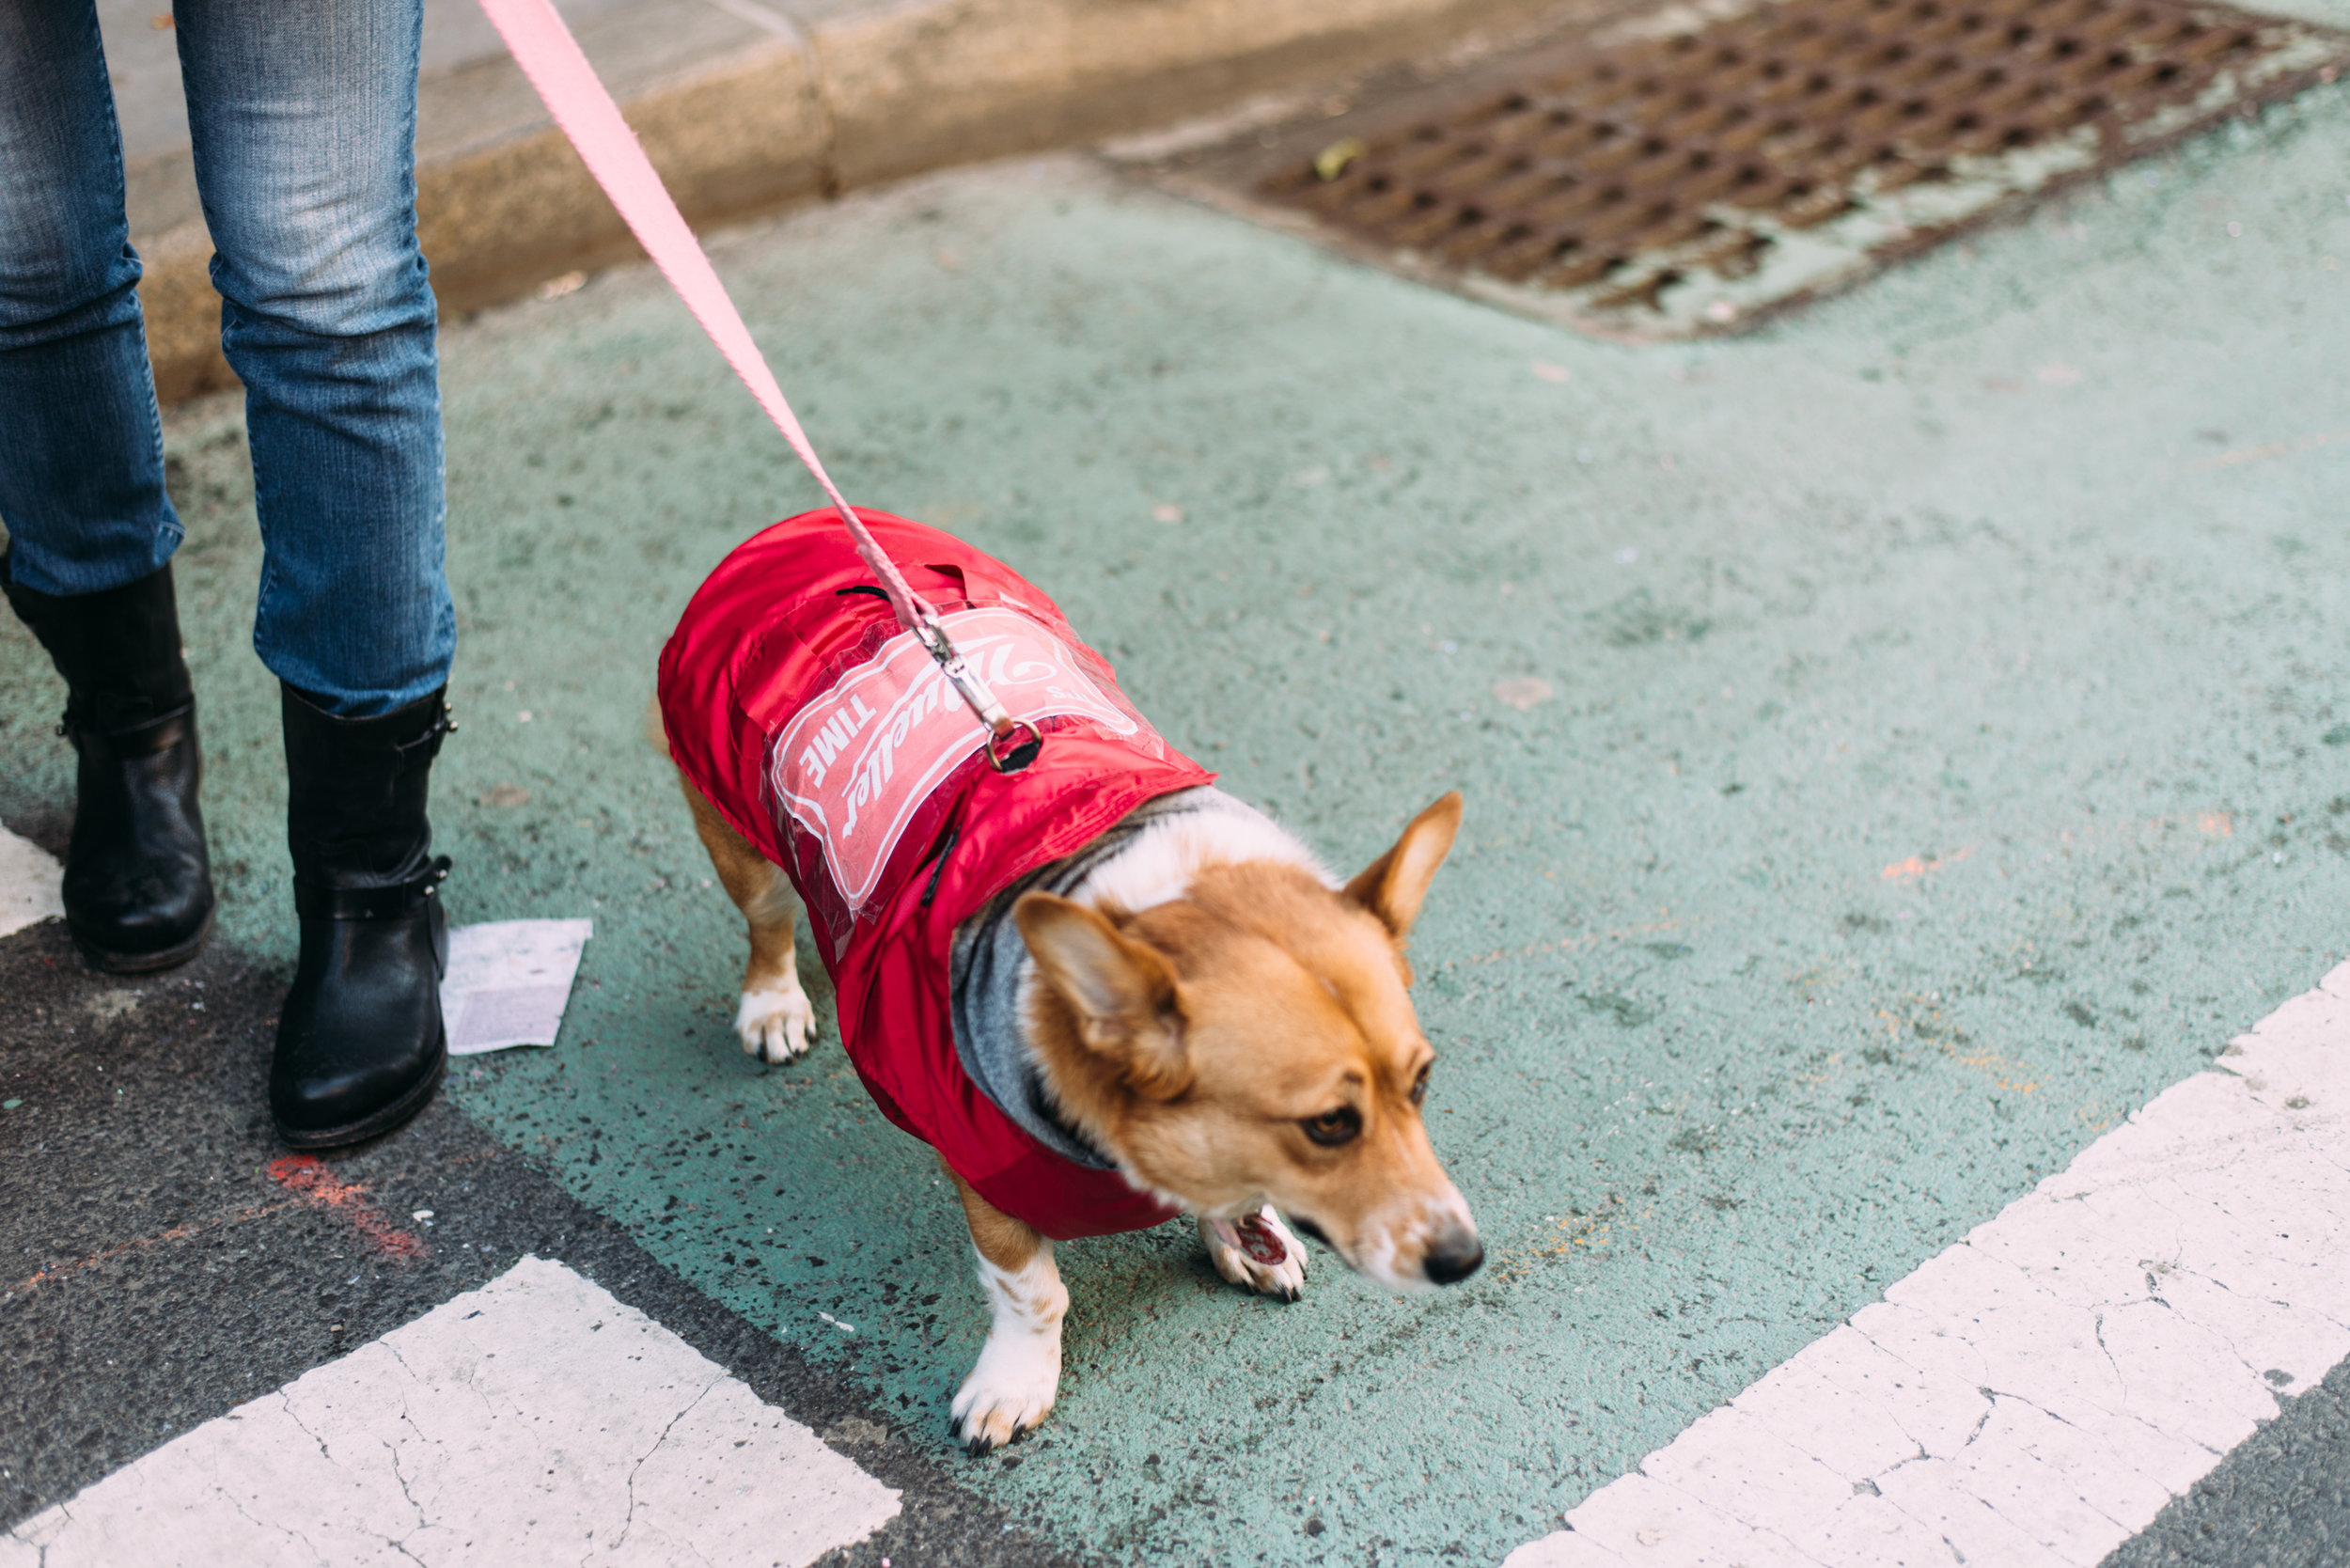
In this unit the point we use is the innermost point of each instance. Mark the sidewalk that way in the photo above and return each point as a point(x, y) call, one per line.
point(749, 105)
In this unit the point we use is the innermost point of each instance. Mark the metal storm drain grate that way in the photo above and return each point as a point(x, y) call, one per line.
point(1674, 186)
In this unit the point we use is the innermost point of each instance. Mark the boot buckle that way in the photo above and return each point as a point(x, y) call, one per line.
point(387, 903)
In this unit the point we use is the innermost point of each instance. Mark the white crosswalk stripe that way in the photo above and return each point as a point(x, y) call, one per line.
point(30, 884)
point(2036, 1393)
point(535, 1419)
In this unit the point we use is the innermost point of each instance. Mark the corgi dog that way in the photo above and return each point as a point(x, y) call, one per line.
point(1105, 992)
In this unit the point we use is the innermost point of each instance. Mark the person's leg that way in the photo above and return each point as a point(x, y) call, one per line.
point(302, 114)
point(91, 531)
point(81, 447)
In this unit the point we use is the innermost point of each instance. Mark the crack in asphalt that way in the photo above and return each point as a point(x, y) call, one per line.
point(629, 1521)
point(285, 1403)
point(1759, 1529)
point(288, 1531)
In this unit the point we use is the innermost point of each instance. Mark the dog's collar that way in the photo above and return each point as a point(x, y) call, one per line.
point(988, 966)
point(1074, 1143)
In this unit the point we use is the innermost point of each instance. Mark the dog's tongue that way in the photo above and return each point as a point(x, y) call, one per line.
point(1250, 1236)
point(1262, 1244)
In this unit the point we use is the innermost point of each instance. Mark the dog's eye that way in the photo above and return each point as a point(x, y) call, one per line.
point(1419, 1086)
point(1334, 1127)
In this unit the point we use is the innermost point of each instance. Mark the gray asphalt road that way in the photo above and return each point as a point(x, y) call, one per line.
point(2280, 1501)
point(167, 1260)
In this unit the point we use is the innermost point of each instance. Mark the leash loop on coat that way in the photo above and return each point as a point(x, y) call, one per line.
point(536, 36)
point(1001, 726)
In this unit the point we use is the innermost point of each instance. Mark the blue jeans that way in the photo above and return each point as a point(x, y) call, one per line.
point(302, 114)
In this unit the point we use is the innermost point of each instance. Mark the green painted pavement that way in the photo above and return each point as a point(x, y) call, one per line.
point(1945, 751)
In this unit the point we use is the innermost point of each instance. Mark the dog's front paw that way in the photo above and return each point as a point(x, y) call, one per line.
point(775, 1022)
point(1010, 1391)
point(1257, 1253)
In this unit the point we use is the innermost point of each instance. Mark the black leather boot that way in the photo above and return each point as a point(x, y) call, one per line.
point(360, 1042)
point(138, 882)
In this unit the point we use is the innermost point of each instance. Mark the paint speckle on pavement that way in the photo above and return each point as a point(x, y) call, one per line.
point(311, 1181)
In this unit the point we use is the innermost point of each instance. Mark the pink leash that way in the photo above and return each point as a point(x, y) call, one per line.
point(552, 60)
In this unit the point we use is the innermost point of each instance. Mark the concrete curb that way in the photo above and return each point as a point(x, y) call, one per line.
point(867, 95)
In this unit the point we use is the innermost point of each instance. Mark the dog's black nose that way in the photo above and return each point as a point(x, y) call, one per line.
point(1453, 1255)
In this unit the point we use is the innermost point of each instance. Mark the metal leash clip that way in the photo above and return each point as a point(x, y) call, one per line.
point(1004, 754)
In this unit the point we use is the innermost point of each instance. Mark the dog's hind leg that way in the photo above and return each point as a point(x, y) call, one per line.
point(1018, 1375)
point(775, 1018)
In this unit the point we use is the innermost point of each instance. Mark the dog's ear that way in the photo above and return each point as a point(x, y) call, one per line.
point(1121, 991)
point(1393, 886)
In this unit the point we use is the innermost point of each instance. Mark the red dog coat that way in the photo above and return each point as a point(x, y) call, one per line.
point(829, 739)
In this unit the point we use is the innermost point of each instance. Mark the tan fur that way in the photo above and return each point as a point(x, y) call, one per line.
point(1191, 1040)
point(756, 885)
point(760, 889)
point(775, 1019)
point(1195, 1037)
point(1018, 1375)
point(1010, 1244)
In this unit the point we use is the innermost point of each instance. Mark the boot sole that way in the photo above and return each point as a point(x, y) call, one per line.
point(144, 964)
point(376, 1123)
